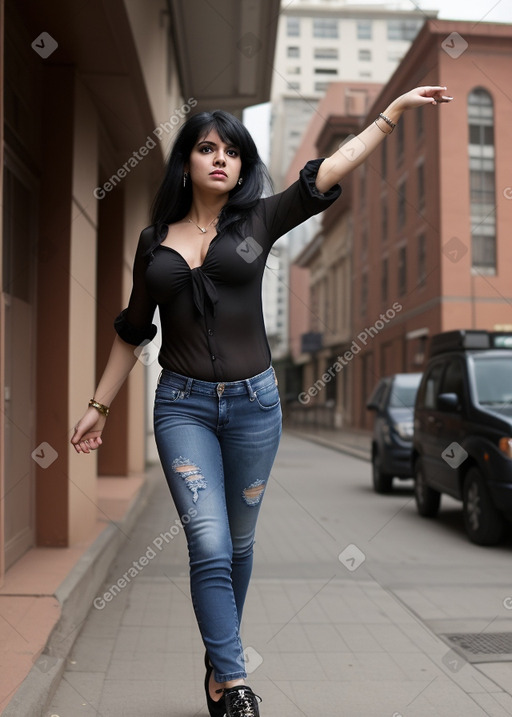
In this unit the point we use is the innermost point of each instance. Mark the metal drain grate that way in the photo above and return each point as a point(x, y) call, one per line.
point(482, 643)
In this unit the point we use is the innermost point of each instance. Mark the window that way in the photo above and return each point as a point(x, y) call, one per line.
point(420, 128)
point(293, 85)
point(384, 219)
point(453, 379)
point(364, 294)
point(422, 259)
point(400, 214)
point(325, 27)
point(326, 53)
point(402, 270)
point(420, 174)
point(364, 29)
point(362, 187)
point(365, 55)
point(293, 26)
point(326, 71)
point(427, 398)
point(403, 29)
point(364, 242)
point(384, 280)
point(293, 70)
point(321, 86)
point(399, 129)
point(293, 52)
point(482, 181)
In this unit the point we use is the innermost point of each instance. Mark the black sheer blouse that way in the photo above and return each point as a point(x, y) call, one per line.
point(211, 316)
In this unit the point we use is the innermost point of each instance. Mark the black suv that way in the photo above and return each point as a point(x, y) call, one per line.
point(393, 402)
point(462, 441)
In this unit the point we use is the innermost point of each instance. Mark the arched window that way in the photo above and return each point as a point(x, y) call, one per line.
point(481, 171)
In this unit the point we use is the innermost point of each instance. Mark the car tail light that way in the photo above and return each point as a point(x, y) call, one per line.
point(505, 445)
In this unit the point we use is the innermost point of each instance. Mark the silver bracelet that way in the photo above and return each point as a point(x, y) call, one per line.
point(388, 121)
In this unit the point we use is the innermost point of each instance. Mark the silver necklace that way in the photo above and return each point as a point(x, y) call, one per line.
point(203, 230)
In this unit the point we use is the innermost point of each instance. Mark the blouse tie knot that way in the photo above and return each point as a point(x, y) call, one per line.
point(203, 290)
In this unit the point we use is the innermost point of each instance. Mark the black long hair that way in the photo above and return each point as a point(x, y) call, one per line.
point(173, 200)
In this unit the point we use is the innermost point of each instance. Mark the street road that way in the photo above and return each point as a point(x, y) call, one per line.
point(429, 564)
point(350, 593)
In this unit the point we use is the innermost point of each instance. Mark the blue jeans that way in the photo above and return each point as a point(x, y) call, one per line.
point(217, 443)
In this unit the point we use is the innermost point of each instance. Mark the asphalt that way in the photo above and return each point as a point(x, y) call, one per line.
point(322, 637)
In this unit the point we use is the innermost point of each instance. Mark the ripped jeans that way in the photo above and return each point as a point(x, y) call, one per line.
point(217, 443)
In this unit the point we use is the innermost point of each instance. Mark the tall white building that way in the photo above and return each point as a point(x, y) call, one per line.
point(322, 41)
point(318, 42)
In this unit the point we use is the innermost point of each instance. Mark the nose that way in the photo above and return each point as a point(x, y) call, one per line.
point(220, 158)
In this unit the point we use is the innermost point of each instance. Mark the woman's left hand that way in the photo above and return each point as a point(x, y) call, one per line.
point(422, 96)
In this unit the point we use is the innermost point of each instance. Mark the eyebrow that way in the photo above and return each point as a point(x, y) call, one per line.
point(214, 144)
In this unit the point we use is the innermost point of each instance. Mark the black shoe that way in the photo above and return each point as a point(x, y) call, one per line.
point(241, 701)
point(216, 709)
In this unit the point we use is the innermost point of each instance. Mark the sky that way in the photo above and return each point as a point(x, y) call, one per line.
point(257, 118)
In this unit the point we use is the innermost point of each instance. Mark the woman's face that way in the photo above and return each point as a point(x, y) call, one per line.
point(214, 165)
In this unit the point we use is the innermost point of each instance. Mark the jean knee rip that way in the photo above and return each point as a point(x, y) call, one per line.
point(191, 474)
point(253, 494)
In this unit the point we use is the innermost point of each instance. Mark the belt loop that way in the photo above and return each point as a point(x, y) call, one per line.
point(159, 377)
point(188, 387)
point(252, 394)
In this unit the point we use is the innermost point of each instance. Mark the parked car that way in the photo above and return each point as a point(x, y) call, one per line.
point(393, 402)
point(462, 442)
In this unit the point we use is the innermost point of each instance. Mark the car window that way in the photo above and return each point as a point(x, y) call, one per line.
point(493, 376)
point(430, 388)
point(378, 393)
point(453, 379)
point(403, 393)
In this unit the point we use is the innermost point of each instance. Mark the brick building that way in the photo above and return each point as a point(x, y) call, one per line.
point(431, 212)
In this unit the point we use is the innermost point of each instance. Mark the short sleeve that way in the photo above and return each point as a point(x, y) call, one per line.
point(134, 324)
point(300, 201)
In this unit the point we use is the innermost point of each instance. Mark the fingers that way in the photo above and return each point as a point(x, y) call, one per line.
point(87, 445)
point(437, 94)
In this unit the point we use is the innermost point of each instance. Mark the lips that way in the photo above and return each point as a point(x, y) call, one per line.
point(218, 173)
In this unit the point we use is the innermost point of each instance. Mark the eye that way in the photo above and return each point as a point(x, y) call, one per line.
point(205, 148)
point(233, 152)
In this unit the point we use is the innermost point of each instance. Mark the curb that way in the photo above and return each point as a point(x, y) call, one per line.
point(75, 595)
point(361, 453)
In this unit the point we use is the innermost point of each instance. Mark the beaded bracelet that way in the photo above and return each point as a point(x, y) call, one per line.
point(104, 410)
point(388, 121)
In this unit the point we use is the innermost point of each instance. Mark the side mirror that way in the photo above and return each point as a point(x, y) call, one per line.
point(448, 402)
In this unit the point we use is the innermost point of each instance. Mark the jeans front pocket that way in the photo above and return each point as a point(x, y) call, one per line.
point(267, 397)
point(167, 394)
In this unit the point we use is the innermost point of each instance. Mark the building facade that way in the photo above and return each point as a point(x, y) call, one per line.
point(431, 210)
point(330, 41)
point(86, 126)
point(319, 43)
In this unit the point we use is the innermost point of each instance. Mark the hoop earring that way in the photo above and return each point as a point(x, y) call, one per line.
point(185, 177)
point(240, 180)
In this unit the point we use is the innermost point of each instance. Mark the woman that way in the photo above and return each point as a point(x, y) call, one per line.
point(217, 414)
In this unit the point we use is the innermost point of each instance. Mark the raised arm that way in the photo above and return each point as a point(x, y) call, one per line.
point(355, 151)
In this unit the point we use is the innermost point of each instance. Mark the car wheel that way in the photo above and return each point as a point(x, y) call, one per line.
point(428, 500)
point(382, 482)
point(484, 524)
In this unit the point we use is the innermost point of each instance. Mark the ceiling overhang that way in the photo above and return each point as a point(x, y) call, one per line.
point(225, 50)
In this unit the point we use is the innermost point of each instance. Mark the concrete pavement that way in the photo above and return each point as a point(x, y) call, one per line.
point(325, 634)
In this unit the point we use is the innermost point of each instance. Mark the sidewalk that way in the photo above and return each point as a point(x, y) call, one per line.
point(46, 597)
point(322, 637)
point(356, 443)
